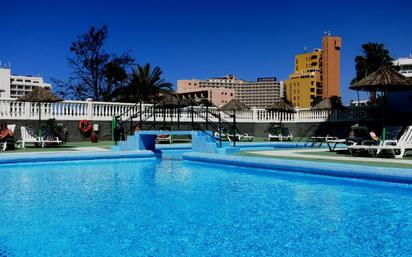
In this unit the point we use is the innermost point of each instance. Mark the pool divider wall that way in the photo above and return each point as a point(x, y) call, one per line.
point(398, 175)
point(74, 156)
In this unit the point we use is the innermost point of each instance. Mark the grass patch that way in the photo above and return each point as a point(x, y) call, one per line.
point(69, 146)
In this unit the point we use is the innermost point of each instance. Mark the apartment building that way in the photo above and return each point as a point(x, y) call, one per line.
point(260, 93)
point(13, 86)
point(316, 74)
point(405, 65)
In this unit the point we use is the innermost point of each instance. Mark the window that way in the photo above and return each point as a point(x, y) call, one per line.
point(312, 90)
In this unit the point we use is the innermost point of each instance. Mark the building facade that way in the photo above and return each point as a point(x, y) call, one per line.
point(305, 84)
point(13, 86)
point(405, 65)
point(260, 93)
point(316, 74)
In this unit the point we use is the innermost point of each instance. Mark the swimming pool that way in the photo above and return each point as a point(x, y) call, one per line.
point(173, 208)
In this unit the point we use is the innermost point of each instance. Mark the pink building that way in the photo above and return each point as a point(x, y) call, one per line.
point(260, 93)
point(217, 96)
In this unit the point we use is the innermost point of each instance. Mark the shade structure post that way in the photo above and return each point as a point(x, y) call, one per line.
point(207, 117)
point(171, 118)
point(220, 129)
point(234, 127)
point(140, 113)
point(192, 115)
point(40, 132)
point(178, 118)
point(154, 115)
point(164, 116)
point(131, 125)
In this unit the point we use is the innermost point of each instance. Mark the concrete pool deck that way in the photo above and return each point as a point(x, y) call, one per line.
point(323, 154)
point(386, 174)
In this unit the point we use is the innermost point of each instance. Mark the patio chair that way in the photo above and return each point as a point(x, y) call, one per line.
point(166, 138)
point(223, 136)
point(397, 148)
point(280, 134)
point(50, 139)
point(247, 138)
point(28, 138)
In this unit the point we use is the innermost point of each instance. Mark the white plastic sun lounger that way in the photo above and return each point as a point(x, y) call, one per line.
point(245, 137)
point(28, 138)
point(280, 137)
point(397, 147)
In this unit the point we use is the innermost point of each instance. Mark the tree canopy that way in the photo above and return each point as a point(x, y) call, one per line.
point(94, 73)
point(144, 83)
point(374, 55)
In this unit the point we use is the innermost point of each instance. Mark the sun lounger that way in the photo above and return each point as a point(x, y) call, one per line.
point(223, 136)
point(333, 143)
point(246, 138)
point(28, 138)
point(164, 139)
point(280, 137)
point(397, 147)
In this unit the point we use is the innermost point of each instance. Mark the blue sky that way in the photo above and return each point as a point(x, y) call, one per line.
point(202, 39)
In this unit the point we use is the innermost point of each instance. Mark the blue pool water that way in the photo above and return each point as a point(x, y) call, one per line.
point(175, 208)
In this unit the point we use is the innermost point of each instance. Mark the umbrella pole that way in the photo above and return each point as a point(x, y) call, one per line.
point(40, 120)
point(234, 128)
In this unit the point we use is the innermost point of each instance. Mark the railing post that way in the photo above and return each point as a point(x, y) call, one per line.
point(26, 110)
point(254, 115)
point(89, 109)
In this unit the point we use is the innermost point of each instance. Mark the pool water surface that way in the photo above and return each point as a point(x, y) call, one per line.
point(171, 207)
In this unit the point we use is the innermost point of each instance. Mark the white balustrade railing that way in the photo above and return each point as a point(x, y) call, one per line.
point(104, 111)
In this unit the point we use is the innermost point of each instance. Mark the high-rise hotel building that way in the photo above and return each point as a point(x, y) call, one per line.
point(317, 74)
point(260, 93)
point(13, 86)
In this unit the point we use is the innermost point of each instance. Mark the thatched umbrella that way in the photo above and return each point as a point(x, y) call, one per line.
point(281, 106)
point(40, 95)
point(206, 103)
point(171, 102)
point(385, 79)
point(328, 104)
point(234, 105)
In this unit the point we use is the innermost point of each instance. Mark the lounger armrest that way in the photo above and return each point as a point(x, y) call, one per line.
point(390, 142)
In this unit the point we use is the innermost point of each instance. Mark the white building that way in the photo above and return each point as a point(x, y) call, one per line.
point(405, 65)
point(13, 86)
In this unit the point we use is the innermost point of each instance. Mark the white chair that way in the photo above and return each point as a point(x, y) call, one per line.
point(247, 138)
point(280, 137)
point(397, 147)
point(52, 140)
point(28, 138)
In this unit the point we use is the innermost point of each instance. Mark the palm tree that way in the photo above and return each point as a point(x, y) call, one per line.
point(373, 56)
point(144, 84)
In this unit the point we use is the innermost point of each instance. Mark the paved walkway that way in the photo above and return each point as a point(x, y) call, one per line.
point(305, 154)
